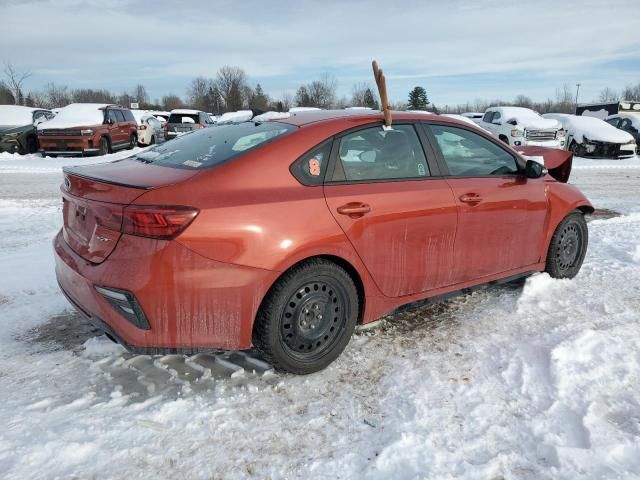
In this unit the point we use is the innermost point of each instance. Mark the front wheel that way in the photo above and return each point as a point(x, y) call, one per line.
point(568, 247)
point(104, 146)
point(307, 318)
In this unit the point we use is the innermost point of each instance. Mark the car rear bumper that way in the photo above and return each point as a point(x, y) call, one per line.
point(191, 303)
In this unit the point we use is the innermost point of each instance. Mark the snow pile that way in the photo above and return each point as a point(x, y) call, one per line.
point(264, 117)
point(524, 117)
point(592, 128)
point(77, 115)
point(15, 115)
point(462, 118)
point(235, 117)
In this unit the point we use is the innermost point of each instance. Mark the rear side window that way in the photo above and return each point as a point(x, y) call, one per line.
point(379, 154)
point(119, 115)
point(468, 154)
point(206, 148)
point(311, 167)
point(128, 116)
point(184, 118)
point(487, 117)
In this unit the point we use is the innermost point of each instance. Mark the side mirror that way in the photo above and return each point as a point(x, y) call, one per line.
point(533, 169)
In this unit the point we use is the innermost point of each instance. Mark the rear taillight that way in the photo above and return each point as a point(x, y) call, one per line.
point(202, 125)
point(142, 127)
point(157, 222)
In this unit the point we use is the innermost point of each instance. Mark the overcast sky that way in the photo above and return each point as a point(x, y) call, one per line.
point(457, 50)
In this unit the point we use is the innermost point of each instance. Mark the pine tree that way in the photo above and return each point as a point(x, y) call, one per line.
point(370, 100)
point(418, 99)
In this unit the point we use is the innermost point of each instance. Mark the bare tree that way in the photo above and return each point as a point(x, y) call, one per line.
point(14, 81)
point(197, 93)
point(231, 82)
point(357, 94)
point(322, 93)
point(6, 97)
point(88, 95)
point(631, 92)
point(56, 96)
point(169, 102)
point(608, 95)
point(523, 101)
point(140, 94)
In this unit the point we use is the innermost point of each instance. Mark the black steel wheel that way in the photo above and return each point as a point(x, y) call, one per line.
point(568, 247)
point(307, 318)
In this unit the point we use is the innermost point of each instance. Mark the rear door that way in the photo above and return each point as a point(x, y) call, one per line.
point(115, 128)
point(501, 213)
point(384, 191)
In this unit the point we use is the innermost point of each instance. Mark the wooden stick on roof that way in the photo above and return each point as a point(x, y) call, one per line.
point(382, 90)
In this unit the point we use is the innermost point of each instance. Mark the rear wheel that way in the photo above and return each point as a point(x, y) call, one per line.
point(104, 146)
point(133, 141)
point(568, 247)
point(153, 140)
point(307, 318)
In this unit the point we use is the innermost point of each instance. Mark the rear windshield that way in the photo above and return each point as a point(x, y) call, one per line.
point(184, 118)
point(208, 147)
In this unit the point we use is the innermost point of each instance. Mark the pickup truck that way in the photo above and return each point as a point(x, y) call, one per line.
point(518, 126)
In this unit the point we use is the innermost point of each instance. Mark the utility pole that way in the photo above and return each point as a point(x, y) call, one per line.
point(577, 91)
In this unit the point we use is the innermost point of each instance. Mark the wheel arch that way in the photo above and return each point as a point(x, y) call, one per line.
point(342, 262)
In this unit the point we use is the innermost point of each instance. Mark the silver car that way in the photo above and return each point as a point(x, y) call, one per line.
point(183, 121)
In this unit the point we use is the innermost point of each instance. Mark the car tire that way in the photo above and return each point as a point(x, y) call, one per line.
point(32, 145)
point(153, 140)
point(104, 146)
point(307, 318)
point(133, 141)
point(568, 246)
point(576, 149)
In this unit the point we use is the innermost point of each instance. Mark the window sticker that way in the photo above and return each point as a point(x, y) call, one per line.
point(314, 167)
point(191, 163)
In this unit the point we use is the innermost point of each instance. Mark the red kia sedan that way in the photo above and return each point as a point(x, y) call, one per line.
point(285, 234)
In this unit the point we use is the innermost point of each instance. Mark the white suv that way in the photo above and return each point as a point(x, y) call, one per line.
point(519, 126)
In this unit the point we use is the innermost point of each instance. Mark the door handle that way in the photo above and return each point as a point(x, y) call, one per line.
point(471, 198)
point(354, 209)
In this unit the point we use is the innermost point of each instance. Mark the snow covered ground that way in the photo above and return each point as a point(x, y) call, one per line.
point(507, 383)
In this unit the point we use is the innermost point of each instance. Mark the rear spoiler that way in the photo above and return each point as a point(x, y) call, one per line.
point(557, 162)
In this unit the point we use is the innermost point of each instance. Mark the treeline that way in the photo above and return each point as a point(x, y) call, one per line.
point(230, 91)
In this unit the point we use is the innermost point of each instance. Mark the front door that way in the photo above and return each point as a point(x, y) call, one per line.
point(399, 218)
point(502, 213)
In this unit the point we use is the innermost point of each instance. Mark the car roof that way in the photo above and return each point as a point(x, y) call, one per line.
point(185, 111)
point(308, 117)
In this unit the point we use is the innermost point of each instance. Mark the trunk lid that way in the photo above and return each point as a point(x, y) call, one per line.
point(94, 198)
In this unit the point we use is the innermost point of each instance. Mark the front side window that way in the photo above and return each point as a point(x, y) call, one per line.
point(468, 154)
point(208, 147)
point(613, 121)
point(119, 115)
point(379, 154)
point(111, 116)
point(625, 124)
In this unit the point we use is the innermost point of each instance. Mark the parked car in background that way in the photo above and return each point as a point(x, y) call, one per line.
point(183, 121)
point(629, 122)
point(162, 116)
point(18, 132)
point(592, 137)
point(88, 129)
point(462, 118)
point(518, 126)
point(606, 109)
point(286, 233)
point(475, 116)
point(150, 130)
